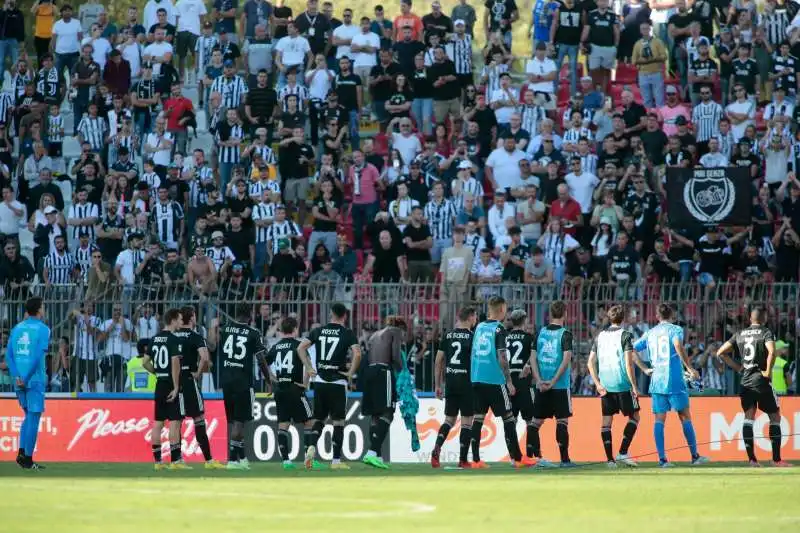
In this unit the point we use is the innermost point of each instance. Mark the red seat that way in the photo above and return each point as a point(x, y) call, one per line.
point(761, 124)
point(381, 144)
point(563, 94)
point(626, 74)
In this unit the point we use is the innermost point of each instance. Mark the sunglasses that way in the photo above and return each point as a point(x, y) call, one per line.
point(705, 93)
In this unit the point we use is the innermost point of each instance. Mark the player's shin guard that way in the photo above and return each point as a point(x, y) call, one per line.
point(463, 440)
point(378, 435)
point(775, 437)
point(747, 437)
point(283, 444)
point(444, 431)
point(533, 446)
point(691, 438)
point(477, 427)
point(175, 452)
point(33, 432)
point(658, 435)
point(235, 450)
point(512, 441)
point(605, 435)
point(627, 435)
point(338, 440)
point(202, 438)
point(562, 438)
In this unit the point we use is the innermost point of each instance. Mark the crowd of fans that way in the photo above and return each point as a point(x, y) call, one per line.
point(377, 149)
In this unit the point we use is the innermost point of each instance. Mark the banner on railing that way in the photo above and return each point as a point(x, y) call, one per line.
point(262, 438)
point(105, 431)
point(717, 422)
point(709, 196)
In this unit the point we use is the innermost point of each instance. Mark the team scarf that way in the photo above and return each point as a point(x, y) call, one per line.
point(408, 402)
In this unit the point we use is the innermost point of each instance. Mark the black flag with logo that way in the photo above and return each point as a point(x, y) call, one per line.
point(709, 196)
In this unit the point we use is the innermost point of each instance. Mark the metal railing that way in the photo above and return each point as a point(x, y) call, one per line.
point(709, 316)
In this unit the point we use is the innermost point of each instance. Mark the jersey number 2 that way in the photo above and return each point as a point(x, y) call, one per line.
point(454, 360)
point(515, 359)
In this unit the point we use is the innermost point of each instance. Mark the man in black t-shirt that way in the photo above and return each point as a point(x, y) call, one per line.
point(381, 83)
point(325, 210)
point(498, 16)
point(332, 343)
point(755, 347)
point(446, 90)
point(386, 261)
point(418, 241)
point(314, 26)
point(348, 86)
point(407, 49)
point(745, 72)
point(514, 256)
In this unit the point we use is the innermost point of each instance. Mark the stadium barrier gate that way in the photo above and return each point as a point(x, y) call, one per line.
point(429, 309)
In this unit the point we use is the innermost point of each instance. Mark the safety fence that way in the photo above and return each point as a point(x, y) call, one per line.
point(95, 332)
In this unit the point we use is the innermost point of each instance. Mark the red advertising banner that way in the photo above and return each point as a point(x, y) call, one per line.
point(717, 423)
point(105, 431)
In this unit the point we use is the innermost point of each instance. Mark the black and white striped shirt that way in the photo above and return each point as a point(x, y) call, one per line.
point(83, 257)
point(87, 210)
point(167, 222)
point(726, 143)
point(203, 49)
point(93, 131)
point(19, 81)
point(55, 128)
point(226, 132)
point(440, 217)
point(299, 91)
point(706, 117)
point(588, 163)
point(6, 103)
point(280, 230)
point(532, 116)
point(128, 141)
point(262, 211)
point(197, 187)
point(256, 189)
point(573, 135)
point(266, 153)
point(460, 53)
point(471, 186)
point(219, 255)
point(153, 182)
point(476, 242)
point(775, 25)
point(85, 343)
point(59, 268)
point(232, 90)
point(48, 82)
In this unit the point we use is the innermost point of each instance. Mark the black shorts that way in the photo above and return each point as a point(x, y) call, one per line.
point(522, 400)
point(619, 402)
point(185, 42)
point(239, 399)
point(459, 400)
point(494, 397)
point(291, 404)
point(554, 403)
point(380, 394)
point(190, 399)
point(165, 410)
point(761, 396)
point(330, 400)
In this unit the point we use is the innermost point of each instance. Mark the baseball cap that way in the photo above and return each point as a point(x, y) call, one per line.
point(605, 220)
point(533, 181)
point(228, 63)
point(702, 41)
point(781, 345)
point(208, 25)
point(283, 244)
point(459, 22)
point(465, 165)
point(541, 45)
point(50, 210)
point(237, 266)
point(671, 89)
point(217, 235)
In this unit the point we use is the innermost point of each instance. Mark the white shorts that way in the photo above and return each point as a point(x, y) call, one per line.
point(602, 57)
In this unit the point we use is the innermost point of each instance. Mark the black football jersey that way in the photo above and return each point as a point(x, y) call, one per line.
point(163, 348)
point(288, 365)
point(751, 346)
point(332, 343)
point(520, 344)
point(189, 344)
point(457, 348)
point(240, 345)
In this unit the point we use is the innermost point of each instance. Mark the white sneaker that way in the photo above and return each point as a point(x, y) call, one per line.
point(611, 464)
point(245, 464)
point(625, 459)
point(234, 465)
point(700, 460)
point(665, 464)
point(544, 463)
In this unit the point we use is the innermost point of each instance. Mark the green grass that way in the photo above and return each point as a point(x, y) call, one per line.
point(112, 498)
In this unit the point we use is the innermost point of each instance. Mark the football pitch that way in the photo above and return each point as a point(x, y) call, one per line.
point(122, 498)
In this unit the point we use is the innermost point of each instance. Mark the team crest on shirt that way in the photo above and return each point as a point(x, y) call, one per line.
point(709, 199)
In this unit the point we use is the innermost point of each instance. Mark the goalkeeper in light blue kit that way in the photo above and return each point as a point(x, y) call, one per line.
point(664, 345)
point(25, 355)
